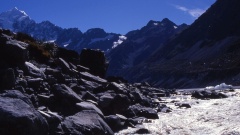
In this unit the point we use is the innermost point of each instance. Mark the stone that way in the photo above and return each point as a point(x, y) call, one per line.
point(19, 118)
point(89, 106)
point(66, 94)
point(94, 60)
point(141, 111)
point(115, 122)
point(86, 122)
point(120, 104)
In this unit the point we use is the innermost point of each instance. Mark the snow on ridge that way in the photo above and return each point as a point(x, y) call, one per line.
point(155, 24)
point(120, 41)
point(108, 37)
point(65, 44)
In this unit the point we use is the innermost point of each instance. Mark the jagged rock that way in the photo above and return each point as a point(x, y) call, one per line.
point(90, 96)
point(105, 102)
point(64, 65)
point(208, 94)
point(88, 106)
point(163, 108)
point(35, 82)
point(116, 79)
point(118, 88)
point(141, 111)
point(31, 70)
point(7, 80)
point(12, 52)
point(120, 104)
point(142, 131)
point(90, 77)
point(15, 94)
point(19, 118)
point(95, 61)
point(115, 122)
point(82, 68)
point(86, 122)
point(53, 120)
point(65, 94)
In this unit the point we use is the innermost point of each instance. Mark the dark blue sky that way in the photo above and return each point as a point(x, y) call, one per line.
point(111, 15)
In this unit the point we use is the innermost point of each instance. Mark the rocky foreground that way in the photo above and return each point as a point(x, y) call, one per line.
point(46, 90)
point(49, 90)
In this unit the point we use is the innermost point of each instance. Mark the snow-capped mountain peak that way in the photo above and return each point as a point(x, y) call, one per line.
point(8, 18)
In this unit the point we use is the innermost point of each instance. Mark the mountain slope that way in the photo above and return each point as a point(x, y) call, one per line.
point(139, 45)
point(204, 54)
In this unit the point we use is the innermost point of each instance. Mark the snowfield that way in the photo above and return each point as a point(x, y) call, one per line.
point(205, 117)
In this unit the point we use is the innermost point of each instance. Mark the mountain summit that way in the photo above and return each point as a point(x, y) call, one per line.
point(8, 18)
point(71, 38)
point(206, 53)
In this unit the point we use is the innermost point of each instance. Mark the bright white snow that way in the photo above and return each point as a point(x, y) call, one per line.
point(9, 17)
point(120, 41)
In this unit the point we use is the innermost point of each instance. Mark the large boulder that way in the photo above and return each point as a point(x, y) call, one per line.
point(12, 52)
point(7, 79)
point(142, 111)
point(86, 122)
point(19, 118)
point(66, 94)
point(120, 104)
point(94, 60)
point(15, 94)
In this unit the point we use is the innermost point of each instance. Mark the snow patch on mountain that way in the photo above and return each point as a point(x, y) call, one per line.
point(108, 37)
point(120, 41)
point(67, 43)
point(8, 18)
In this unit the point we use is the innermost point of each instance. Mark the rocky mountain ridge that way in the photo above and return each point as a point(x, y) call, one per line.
point(71, 38)
point(206, 53)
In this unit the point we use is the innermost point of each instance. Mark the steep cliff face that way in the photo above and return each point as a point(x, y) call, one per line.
point(205, 53)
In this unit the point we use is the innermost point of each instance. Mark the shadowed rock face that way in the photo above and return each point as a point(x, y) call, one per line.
point(206, 53)
point(19, 118)
point(95, 61)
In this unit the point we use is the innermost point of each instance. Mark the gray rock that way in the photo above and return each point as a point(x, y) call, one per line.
point(89, 106)
point(66, 94)
point(19, 118)
point(86, 122)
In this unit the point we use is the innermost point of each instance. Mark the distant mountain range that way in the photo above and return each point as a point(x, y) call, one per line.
point(72, 38)
point(161, 53)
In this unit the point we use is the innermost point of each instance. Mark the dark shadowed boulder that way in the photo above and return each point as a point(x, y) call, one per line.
point(66, 94)
point(94, 60)
point(142, 131)
point(19, 118)
point(86, 122)
point(88, 106)
point(115, 122)
point(120, 104)
point(15, 94)
point(89, 95)
point(142, 111)
point(63, 64)
point(7, 79)
point(117, 88)
point(12, 52)
point(208, 95)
